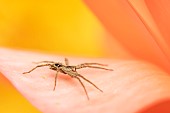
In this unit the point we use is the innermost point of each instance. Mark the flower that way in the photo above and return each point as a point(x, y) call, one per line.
point(136, 40)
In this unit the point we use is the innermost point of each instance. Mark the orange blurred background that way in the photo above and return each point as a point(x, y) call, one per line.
point(60, 27)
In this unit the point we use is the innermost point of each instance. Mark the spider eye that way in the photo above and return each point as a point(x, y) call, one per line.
point(57, 65)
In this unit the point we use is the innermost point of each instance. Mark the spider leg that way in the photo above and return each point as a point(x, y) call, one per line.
point(83, 86)
point(43, 62)
point(94, 64)
point(35, 68)
point(55, 80)
point(89, 65)
point(89, 82)
point(66, 61)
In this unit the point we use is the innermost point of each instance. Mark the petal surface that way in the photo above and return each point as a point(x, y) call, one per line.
point(132, 86)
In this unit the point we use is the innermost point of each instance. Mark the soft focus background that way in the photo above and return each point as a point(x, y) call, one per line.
point(59, 27)
point(65, 27)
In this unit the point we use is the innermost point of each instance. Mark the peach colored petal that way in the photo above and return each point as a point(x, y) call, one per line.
point(146, 11)
point(126, 26)
point(158, 107)
point(131, 87)
point(160, 12)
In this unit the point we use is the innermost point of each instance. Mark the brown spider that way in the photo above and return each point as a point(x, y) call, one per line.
point(70, 70)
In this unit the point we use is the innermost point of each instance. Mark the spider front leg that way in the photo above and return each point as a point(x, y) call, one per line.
point(35, 68)
point(43, 62)
point(55, 81)
point(90, 65)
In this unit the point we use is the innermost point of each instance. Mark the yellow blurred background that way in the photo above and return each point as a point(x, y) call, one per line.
point(66, 27)
point(60, 27)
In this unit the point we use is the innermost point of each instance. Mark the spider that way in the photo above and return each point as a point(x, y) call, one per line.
point(70, 70)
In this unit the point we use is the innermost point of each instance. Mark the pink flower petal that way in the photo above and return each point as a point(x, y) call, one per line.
point(131, 87)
